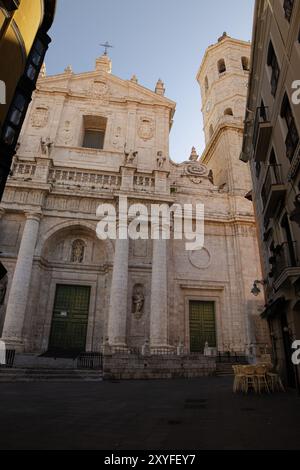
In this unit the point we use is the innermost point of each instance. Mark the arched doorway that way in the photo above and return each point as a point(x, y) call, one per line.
point(77, 269)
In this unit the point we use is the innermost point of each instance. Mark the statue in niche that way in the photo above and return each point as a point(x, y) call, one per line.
point(160, 159)
point(46, 146)
point(77, 254)
point(138, 300)
point(130, 156)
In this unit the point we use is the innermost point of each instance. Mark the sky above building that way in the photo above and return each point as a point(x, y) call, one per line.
point(152, 39)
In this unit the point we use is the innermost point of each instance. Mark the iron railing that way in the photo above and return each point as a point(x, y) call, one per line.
point(273, 177)
point(285, 257)
point(288, 8)
point(90, 360)
point(261, 116)
point(9, 358)
point(231, 357)
point(291, 141)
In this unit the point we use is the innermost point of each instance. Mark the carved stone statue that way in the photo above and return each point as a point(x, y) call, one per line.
point(130, 156)
point(46, 146)
point(77, 251)
point(146, 348)
point(160, 159)
point(194, 156)
point(138, 300)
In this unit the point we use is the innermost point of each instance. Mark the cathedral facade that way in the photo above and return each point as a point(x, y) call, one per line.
point(90, 138)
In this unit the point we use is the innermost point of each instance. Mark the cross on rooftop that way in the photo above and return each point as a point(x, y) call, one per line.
point(106, 46)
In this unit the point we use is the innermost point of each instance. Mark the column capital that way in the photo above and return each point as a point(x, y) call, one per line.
point(33, 215)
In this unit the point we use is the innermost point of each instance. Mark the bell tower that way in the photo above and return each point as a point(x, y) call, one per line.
point(223, 79)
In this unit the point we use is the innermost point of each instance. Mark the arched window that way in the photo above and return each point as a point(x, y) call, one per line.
point(245, 63)
point(228, 112)
point(77, 254)
point(206, 86)
point(221, 66)
point(211, 131)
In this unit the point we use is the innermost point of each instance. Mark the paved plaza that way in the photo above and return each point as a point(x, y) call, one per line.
point(151, 415)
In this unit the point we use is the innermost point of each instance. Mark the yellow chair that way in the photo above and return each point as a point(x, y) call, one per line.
point(250, 379)
point(239, 379)
point(261, 377)
point(275, 382)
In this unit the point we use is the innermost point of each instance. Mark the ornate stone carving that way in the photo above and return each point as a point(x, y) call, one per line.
point(130, 156)
point(117, 137)
point(195, 171)
point(40, 116)
point(160, 159)
point(99, 89)
point(66, 136)
point(46, 146)
point(194, 156)
point(77, 253)
point(138, 300)
point(146, 128)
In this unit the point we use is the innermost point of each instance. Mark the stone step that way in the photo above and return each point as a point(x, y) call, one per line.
point(55, 375)
point(225, 369)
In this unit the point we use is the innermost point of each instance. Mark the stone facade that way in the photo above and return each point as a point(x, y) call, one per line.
point(140, 291)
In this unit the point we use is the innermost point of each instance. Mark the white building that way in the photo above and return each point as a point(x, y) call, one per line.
point(70, 291)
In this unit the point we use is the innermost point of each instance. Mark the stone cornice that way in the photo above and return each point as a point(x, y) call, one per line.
point(208, 151)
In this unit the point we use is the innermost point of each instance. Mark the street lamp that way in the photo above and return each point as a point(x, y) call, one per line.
point(255, 289)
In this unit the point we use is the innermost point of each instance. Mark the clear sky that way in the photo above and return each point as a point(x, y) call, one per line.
point(153, 39)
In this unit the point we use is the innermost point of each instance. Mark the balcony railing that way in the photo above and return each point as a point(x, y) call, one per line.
point(261, 133)
point(291, 141)
point(288, 8)
point(81, 178)
point(23, 170)
point(273, 178)
point(285, 257)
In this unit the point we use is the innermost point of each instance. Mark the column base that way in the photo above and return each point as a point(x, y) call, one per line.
point(14, 343)
point(161, 348)
point(118, 348)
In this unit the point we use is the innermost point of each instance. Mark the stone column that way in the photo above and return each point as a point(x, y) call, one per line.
point(159, 296)
point(118, 295)
point(17, 301)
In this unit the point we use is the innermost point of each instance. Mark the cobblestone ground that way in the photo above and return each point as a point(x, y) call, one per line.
point(166, 415)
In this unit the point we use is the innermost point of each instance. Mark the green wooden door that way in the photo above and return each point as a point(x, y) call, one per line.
point(202, 325)
point(70, 318)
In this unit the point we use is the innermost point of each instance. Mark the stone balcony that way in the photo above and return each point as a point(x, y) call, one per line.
point(42, 171)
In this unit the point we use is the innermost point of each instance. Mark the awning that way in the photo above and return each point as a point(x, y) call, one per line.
point(274, 308)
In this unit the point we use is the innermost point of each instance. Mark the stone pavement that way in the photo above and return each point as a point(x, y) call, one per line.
point(152, 415)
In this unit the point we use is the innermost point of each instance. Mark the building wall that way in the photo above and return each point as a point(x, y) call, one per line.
point(272, 25)
point(66, 183)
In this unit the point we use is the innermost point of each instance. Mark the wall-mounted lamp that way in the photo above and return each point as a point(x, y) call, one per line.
point(255, 289)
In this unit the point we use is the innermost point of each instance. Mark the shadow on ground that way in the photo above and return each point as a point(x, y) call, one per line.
point(151, 415)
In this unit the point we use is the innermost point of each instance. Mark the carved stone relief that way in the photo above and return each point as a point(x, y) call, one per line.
point(40, 116)
point(66, 136)
point(146, 128)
